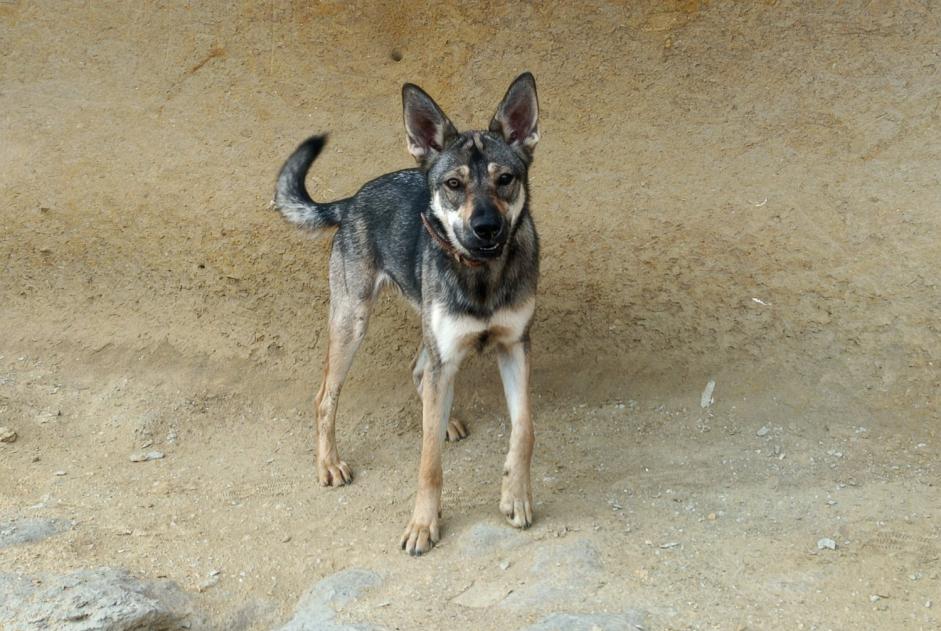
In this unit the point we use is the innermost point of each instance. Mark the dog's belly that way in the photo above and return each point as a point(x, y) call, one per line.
point(455, 335)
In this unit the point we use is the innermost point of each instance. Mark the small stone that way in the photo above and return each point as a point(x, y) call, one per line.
point(59, 473)
point(209, 582)
point(826, 544)
point(142, 456)
point(875, 598)
point(763, 431)
point(504, 564)
point(671, 544)
point(285, 539)
point(705, 400)
point(927, 604)
point(7, 435)
point(711, 517)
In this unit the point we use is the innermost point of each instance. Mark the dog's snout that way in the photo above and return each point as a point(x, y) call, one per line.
point(486, 227)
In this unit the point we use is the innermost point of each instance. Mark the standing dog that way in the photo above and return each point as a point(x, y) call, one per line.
point(455, 236)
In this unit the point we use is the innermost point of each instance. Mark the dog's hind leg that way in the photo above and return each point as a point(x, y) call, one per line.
point(350, 306)
point(456, 429)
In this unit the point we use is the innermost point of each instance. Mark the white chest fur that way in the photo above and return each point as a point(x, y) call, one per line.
point(456, 334)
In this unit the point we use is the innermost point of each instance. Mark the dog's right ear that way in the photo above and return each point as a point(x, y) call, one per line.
point(427, 129)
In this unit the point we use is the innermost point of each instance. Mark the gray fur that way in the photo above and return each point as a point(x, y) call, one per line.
point(380, 233)
point(456, 238)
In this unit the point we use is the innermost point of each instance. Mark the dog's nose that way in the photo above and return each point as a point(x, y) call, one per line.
point(486, 227)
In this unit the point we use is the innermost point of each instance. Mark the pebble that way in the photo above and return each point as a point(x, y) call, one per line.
point(504, 564)
point(763, 431)
point(826, 543)
point(59, 473)
point(142, 456)
point(7, 435)
point(705, 400)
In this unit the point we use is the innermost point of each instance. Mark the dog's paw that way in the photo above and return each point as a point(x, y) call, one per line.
point(456, 430)
point(419, 538)
point(516, 501)
point(334, 473)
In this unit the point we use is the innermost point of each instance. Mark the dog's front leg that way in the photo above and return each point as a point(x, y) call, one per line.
point(437, 395)
point(516, 498)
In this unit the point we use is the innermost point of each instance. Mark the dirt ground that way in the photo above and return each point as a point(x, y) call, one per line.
point(746, 192)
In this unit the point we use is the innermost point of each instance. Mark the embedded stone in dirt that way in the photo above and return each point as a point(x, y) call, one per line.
point(7, 435)
point(484, 538)
point(563, 572)
point(29, 530)
point(628, 621)
point(144, 456)
point(481, 595)
point(316, 610)
point(102, 599)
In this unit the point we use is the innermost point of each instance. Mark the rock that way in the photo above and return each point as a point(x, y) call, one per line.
point(7, 435)
point(705, 400)
point(144, 456)
point(763, 431)
point(826, 544)
point(101, 599)
point(483, 538)
point(29, 530)
point(505, 564)
point(481, 595)
point(316, 610)
point(628, 621)
point(564, 574)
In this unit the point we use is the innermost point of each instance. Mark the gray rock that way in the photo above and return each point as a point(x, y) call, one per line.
point(316, 610)
point(826, 544)
point(101, 599)
point(482, 539)
point(628, 621)
point(144, 456)
point(564, 573)
point(29, 530)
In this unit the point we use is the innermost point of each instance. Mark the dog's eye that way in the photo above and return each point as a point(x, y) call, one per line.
point(453, 183)
point(504, 179)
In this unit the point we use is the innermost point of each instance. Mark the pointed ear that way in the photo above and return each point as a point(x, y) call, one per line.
point(517, 117)
point(427, 129)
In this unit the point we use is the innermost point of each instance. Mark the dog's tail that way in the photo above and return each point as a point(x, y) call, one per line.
point(291, 196)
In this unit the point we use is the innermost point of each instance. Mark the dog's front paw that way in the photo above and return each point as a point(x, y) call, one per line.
point(419, 537)
point(456, 430)
point(516, 500)
point(334, 472)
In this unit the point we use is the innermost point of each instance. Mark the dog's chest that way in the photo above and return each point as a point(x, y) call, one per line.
point(455, 335)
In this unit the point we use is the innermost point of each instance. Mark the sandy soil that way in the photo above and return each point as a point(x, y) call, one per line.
point(746, 192)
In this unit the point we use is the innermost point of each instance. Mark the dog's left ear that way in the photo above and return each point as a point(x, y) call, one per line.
point(517, 117)
point(427, 129)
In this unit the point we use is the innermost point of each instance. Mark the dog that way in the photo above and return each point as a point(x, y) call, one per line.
point(456, 238)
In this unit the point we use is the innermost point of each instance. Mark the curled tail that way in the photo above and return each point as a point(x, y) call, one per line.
point(291, 196)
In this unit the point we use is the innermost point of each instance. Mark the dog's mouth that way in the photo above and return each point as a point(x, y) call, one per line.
point(488, 251)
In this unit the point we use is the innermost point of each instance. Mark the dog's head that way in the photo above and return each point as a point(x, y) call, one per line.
point(477, 179)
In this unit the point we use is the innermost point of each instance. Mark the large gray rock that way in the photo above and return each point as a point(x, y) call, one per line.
point(316, 610)
point(28, 530)
point(102, 599)
point(565, 574)
point(483, 539)
point(628, 621)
